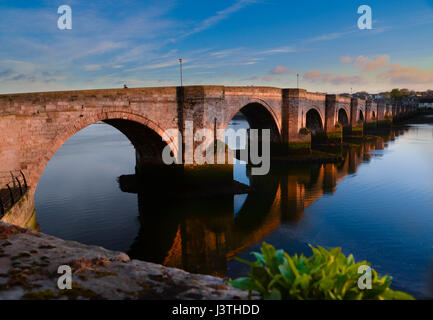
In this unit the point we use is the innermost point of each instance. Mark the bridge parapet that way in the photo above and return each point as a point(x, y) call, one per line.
point(30, 103)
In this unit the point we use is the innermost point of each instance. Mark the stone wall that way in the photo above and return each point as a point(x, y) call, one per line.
point(333, 104)
point(370, 111)
point(296, 104)
point(357, 106)
point(34, 126)
point(22, 212)
point(381, 111)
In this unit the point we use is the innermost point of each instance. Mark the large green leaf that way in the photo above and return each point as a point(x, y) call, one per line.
point(327, 274)
point(243, 283)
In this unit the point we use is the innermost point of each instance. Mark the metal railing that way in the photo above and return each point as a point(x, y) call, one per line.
point(13, 186)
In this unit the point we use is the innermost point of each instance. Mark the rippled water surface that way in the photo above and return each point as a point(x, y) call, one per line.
point(378, 205)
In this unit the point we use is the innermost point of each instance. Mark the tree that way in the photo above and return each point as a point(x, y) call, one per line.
point(396, 95)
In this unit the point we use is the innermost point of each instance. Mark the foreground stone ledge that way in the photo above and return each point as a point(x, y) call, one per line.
point(29, 262)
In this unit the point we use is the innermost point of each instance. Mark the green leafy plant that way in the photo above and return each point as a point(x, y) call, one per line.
point(326, 275)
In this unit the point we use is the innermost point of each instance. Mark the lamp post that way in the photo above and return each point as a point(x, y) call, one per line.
point(297, 80)
point(181, 77)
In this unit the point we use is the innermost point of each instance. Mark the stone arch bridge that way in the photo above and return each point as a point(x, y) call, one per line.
point(33, 126)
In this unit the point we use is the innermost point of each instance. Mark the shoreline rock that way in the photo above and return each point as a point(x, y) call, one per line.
point(29, 262)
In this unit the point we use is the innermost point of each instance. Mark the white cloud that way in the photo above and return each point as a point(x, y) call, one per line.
point(315, 76)
point(218, 17)
point(399, 74)
point(346, 59)
point(279, 70)
point(371, 64)
point(330, 36)
point(279, 50)
point(92, 67)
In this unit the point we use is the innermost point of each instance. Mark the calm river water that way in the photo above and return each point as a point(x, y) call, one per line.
point(378, 205)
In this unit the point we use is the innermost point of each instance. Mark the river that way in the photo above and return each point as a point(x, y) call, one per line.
point(377, 205)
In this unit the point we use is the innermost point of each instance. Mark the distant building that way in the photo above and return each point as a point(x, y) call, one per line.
point(410, 101)
point(363, 95)
point(381, 98)
point(426, 103)
point(378, 96)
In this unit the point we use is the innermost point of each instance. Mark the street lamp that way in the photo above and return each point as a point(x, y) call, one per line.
point(181, 80)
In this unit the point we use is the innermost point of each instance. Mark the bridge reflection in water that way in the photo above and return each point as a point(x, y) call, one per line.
point(203, 235)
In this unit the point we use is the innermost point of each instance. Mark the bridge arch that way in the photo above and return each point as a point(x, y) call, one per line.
point(314, 121)
point(343, 117)
point(144, 134)
point(259, 116)
point(361, 116)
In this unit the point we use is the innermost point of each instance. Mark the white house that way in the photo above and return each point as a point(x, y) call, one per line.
point(425, 103)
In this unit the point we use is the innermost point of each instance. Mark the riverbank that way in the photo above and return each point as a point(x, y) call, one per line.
point(29, 262)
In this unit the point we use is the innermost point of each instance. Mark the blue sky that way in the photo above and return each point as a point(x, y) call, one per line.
point(236, 42)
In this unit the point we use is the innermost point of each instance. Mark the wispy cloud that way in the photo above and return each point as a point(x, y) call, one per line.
point(399, 74)
point(367, 63)
point(227, 52)
point(109, 43)
point(18, 71)
point(279, 70)
point(315, 76)
point(330, 36)
point(165, 64)
point(346, 59)
point(92, 67)
point(349, 32)
point(112, 42)
point(218, 17)
point(394, 73)
point(286, 49)
point(274, 75)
